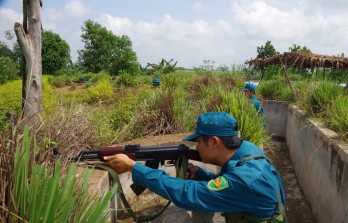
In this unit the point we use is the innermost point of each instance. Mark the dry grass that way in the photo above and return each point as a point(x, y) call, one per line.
point(302, 60)
point(213, 103)
point(159, 118)
point(10, 140)
point(195, 87)
point(67, 131)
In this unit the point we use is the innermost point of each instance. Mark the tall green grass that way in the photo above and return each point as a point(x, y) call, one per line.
point(338, 116)
point(275, 90)
point(249, 122)
point(321, 96)
point(45, 194)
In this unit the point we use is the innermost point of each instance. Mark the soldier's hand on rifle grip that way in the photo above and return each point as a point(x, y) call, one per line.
point(121, 163)
point(191, 171)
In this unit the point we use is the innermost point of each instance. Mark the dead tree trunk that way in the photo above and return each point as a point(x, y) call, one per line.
point(29, 39)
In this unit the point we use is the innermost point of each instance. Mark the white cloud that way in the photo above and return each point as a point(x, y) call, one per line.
point(76, 8)
point(260, 19)
point(72, 10)
point(171, 38)
point(8, 17)
point(323, 34)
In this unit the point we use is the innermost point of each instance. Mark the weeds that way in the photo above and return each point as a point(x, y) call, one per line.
point(321, 96)
point(338, 116)
point(26, 186)
point(249, 122)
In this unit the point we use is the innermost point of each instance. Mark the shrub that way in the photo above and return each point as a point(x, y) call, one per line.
point(123, 111)
point(171, 80)
point(125, 79)
point(128, 112)
point(102, 130)
point(8, 70)
point(101, 92)
point(59, 81)
point(10, 100)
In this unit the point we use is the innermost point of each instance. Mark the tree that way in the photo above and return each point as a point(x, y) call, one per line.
point(29, 39)
point(164, 67)
point(55, 52)
point(266, 51)
point(5, 51)
point(104, 50)
point(298, 48)
point(8, 69)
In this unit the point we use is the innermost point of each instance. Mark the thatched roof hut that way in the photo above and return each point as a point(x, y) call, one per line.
point(302, 60)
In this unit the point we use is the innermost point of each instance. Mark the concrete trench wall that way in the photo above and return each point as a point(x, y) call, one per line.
point(319, 158)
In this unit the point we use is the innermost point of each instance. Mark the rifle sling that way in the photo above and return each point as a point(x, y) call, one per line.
point(181, 165)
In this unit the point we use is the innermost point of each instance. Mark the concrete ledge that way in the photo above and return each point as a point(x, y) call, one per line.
point(320, 161)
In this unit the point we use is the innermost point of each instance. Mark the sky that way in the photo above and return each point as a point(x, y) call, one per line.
point(225, 32)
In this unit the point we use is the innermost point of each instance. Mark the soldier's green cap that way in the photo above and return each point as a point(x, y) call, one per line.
point(250, 87)
point(214, 124)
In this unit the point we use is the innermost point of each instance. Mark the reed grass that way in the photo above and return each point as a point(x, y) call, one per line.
point(338, 116)
point(44, 194)
point(250, 123)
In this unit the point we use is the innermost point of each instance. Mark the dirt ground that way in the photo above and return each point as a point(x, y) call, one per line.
point(298, 209)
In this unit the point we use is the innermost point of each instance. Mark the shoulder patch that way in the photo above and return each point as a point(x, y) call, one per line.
point(219, 183)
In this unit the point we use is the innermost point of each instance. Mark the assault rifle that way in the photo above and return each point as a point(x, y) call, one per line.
point(153, 155)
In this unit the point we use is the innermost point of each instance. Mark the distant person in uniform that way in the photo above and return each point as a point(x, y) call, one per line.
point(248, 188)
point(156, 82)
point(249, 91)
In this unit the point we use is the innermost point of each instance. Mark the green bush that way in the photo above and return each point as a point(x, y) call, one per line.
point(170, 80)
point(8, 70)
point(48, 94)
point(59, 81)
point(123, 111)
point(101, 91)
point(125, 79)
point(128, 112)
point(10, 100)
point(103, 133)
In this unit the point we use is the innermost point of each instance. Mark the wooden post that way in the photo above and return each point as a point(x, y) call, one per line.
point(287, 76)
